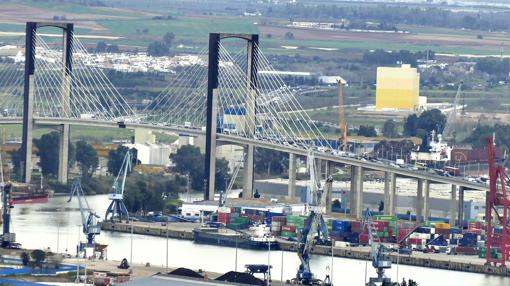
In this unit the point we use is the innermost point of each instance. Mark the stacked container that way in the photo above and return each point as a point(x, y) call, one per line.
point(238, 222)
point(224, 214)
point(341, 230)
point(289, 231)
point(296, 220)
point(276, 224)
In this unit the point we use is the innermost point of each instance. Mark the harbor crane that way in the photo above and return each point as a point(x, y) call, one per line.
point(378, 253)
point(451, 122)
point(315, 229)
point(88, 217)
point(341, 113)
point(117, 208)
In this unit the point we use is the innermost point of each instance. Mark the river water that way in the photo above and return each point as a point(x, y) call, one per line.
point(56, 224)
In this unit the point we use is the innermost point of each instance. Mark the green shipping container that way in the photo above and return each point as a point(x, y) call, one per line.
point(288, 234)
point(385, 217)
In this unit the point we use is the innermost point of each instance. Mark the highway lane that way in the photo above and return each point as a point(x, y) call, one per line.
point(239, 140)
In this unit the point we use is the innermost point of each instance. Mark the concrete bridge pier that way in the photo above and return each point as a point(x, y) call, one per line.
point(28, 101)
point(329, 186)
point(63, 154)
point(423, 201)
point(390, 194)
point(291, 189)
point(460, 217)
point(356, 204)
point(419, 201)
point(426, 200)
point(453, 205)
point(63, 151)
point(248, 171)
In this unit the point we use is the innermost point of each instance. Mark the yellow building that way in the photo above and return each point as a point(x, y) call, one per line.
point(397, 88)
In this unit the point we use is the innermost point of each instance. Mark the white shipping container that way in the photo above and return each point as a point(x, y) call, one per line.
point(342, 244)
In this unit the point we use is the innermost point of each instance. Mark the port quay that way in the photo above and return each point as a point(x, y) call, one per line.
point(334, 210)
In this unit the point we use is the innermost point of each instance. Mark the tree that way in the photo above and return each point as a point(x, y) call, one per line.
point(189, 160)
point(390, 129)
point(48, 151)
point(429, 120)
point(432, 119)
point(270, 161)
point(289, 36)
point(87, 158)
point(221, 175)
point(158, 49)
point(116, 157)
point(16, 159)
point(411, 125)
point(24, 258)
point(39, 256)
point(367, 131)
point(168, 39)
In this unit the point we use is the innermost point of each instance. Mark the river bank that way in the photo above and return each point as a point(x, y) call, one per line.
point(184, 231)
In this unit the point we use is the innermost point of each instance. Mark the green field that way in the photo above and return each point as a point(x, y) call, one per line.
point(186, 29)
point(192, 31)
point(88, 133)
point(62, 7)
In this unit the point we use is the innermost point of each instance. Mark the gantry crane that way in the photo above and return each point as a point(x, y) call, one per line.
point(497, 211)
point(378, 253)
point(341, 114)
point(315, 229)
point(451, 122)
point(117, 208)
point(90, 227)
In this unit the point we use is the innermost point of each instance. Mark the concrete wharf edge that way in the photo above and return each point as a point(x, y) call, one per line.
point(353, 253)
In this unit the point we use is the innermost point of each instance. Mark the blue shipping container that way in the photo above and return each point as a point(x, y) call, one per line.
point(339, 225)
point(455, 230)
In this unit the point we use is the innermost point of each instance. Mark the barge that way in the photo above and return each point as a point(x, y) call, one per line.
point(254, 239)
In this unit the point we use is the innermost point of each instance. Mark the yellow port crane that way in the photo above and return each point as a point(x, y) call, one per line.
point(341, 113)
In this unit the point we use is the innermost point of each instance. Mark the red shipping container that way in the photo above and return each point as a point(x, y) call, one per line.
point(477, 231)
point(279, 218)
point(417, 241)
point(356, 226)
point(224, 218)
point(466, 250)
point(475, 225)
point(364, 238)
point(289, 228)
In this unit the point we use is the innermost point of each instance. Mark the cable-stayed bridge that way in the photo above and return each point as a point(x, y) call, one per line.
point(232, 96)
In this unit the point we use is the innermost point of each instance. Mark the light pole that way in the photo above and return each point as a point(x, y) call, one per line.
point(167, 246)
point(268, 261)
point(78, 257)
point(131, 247)
point(236, 254)
point(188, 186)
point(281, 270)
point(58, 236)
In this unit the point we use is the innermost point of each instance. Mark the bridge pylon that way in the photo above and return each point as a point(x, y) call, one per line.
point(28, 96)
point(212, 110)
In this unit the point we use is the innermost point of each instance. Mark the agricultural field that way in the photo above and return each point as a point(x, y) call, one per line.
point(137, 28)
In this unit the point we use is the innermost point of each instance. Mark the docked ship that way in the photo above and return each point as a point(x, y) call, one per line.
point(257, 237)
point(27, 194)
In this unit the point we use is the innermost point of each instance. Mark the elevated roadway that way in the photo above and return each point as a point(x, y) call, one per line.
point(238, 140)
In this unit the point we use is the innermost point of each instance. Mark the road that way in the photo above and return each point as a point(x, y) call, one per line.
point(264, 143)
